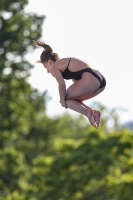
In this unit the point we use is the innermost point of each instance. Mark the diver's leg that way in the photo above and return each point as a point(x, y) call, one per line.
point(76, 106)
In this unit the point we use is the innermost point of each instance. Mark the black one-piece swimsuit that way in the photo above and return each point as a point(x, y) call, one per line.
point(67, 74)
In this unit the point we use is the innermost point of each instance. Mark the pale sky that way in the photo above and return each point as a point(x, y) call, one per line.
point(97, 31)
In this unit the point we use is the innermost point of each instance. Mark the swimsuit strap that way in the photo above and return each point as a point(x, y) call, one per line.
point(68, 63)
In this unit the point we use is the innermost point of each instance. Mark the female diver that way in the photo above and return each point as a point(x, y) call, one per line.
point(87, 82)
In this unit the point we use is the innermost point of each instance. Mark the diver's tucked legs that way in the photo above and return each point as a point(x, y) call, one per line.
point(96, 113)
point(76, 106)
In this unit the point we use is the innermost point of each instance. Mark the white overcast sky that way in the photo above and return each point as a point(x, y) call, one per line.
point(98, 31)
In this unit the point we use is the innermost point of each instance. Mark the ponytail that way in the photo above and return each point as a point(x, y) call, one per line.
point(43, 45)
point(47, 52)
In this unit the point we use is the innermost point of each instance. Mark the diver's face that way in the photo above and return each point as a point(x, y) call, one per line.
point(46, 65)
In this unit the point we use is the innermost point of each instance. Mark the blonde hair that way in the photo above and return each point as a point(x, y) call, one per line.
point(47, 52)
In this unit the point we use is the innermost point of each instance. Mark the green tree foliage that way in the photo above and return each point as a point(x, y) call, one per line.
point(98, 166)
point(17, 98)
point(22, 108)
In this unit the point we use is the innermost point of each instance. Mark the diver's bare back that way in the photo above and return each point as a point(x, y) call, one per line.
point(75, 64)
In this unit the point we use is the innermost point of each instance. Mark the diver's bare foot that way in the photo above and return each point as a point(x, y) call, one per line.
point(91, 117)
point(97, 115)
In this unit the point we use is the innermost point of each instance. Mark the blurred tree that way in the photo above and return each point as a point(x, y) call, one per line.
point(98, 166)
point(17, 98)
point(20, 104)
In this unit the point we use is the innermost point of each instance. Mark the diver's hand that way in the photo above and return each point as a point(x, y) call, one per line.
point(63, 103)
